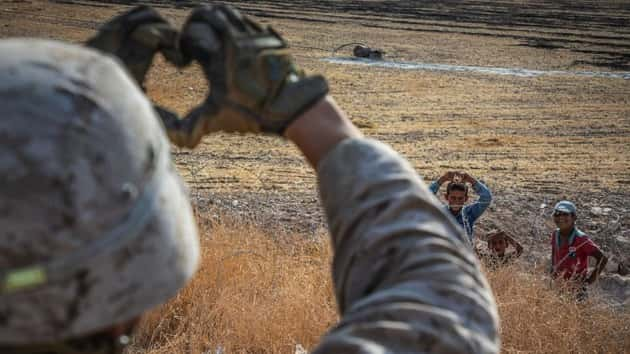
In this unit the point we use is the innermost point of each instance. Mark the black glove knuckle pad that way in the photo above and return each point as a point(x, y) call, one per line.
point(254, 84)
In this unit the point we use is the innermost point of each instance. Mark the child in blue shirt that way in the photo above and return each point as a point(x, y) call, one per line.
point(457, 195)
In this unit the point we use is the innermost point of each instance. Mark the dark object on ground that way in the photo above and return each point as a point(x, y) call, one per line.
point(362, 51)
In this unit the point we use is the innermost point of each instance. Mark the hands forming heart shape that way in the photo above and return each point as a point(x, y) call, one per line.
point(255, 85)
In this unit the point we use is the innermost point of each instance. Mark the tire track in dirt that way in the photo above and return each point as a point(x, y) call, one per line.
point(465, 16)
point(603, 27)
point(520, 72)
point(50, 19)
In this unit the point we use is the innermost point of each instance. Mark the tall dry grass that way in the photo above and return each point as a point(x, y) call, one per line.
point(539, 317)
point(255, 292)
point(260, 291)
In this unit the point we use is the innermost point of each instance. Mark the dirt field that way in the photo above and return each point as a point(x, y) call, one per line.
point(533, 140)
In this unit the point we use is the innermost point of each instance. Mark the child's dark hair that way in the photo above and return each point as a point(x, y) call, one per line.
point(456, 186)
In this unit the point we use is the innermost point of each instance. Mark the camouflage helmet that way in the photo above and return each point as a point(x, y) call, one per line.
point(95, 224)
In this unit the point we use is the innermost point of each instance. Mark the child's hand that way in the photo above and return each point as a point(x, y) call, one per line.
point(447, 177)
point(466, 178)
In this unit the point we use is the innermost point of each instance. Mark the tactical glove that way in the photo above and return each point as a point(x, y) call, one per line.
point(255, 85)
point(134, 37)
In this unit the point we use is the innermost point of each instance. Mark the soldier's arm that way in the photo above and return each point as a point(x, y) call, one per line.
point(404, 279)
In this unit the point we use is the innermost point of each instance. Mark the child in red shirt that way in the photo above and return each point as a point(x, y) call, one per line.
point(571, 248)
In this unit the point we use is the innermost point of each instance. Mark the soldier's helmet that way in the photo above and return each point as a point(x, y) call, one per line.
point(95, 224)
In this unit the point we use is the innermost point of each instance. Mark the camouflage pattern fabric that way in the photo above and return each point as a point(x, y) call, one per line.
point(404, 278)
point(83, 158)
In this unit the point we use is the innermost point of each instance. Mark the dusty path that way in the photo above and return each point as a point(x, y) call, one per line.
point(534, 140)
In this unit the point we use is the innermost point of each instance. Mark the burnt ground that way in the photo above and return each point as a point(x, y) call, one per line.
point(532, 140)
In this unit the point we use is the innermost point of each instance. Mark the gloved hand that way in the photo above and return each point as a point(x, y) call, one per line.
point(134, 37)
point(255, 86)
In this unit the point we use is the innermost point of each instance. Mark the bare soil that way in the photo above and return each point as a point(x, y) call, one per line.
point(532, 140)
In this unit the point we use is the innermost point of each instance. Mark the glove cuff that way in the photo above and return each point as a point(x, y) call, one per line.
point(294, 99)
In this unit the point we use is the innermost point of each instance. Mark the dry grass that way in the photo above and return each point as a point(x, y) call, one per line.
point(538, 319)
point(265, 292)
point(255, 292)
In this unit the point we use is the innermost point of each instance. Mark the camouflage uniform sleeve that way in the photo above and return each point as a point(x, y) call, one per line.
point(404, 279)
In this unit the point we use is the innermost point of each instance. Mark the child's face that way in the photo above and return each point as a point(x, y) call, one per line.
point(564, 221)
point(497, 246)
point(456, 199)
